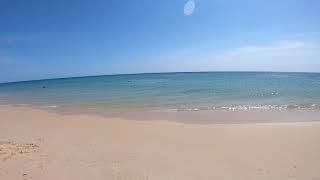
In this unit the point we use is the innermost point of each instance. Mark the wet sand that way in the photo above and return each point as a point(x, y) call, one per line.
point(36, 144)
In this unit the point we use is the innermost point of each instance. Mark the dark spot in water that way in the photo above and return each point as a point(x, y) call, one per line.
point(44, 87)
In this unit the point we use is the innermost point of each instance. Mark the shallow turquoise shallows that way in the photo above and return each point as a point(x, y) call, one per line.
point(172, 91)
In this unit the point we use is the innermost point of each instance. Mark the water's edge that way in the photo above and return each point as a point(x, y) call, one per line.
point(192, 117)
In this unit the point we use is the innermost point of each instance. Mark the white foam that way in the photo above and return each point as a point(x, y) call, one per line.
point(53, 106)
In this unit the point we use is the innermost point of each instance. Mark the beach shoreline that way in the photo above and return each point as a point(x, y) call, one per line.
point(36, 144)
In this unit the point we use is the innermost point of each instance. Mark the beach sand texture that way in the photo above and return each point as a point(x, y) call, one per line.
point(38, 145)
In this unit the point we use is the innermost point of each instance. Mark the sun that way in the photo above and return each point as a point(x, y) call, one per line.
point(189, 8)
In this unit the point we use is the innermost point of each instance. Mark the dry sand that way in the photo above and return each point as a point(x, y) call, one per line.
point(35, 144)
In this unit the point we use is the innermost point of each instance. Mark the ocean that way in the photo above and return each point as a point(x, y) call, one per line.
point(174, 92)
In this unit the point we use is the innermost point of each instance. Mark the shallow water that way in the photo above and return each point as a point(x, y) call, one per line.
point(172, 92)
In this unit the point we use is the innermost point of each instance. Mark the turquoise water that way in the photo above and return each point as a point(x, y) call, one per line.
point(172, 91)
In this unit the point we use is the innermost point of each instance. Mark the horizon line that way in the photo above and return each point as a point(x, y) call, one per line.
point(141, 73)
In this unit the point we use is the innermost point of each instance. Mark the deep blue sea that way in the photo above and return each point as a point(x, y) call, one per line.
point(230, 91)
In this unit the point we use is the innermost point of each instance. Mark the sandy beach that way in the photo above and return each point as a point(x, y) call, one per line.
point(35, 144)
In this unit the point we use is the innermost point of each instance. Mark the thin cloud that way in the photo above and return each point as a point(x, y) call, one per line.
point(276, 46)
point(280, 55)
point(6, 60)
point(11, 39)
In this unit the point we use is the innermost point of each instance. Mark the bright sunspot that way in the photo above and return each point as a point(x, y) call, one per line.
point(189, 8)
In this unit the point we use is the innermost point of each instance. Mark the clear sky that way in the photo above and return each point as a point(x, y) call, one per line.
point(61, 38)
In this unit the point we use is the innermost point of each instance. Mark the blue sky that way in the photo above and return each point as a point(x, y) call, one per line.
point(48, 39)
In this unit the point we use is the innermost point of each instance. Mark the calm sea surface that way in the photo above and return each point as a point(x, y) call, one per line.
point(230, 91)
